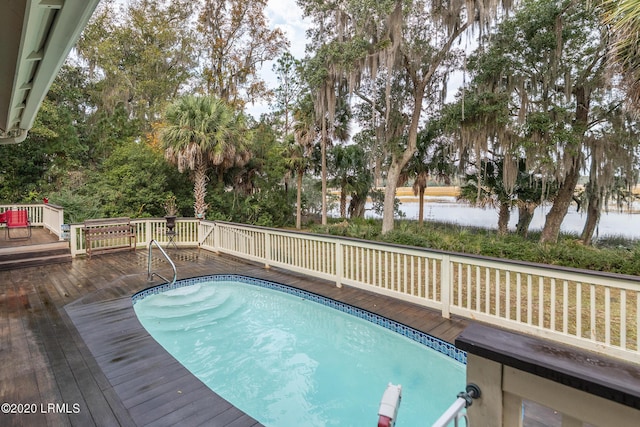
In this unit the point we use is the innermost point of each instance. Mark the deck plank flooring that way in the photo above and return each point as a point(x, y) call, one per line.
point(68, 334)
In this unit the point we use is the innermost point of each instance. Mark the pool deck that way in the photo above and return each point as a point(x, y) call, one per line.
point(73, 351)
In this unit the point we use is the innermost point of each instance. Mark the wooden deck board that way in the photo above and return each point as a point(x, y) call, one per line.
point(68, 334)
point(39, 236)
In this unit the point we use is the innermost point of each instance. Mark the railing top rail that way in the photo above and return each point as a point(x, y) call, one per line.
point(160, 218)
point(53, 206)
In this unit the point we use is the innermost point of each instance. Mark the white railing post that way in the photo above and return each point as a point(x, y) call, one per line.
point(73, 240)
point(148, 231)
point(216, 237)
point(267, 249)
point(445, 286)
point(339, 263)
point(59, 222)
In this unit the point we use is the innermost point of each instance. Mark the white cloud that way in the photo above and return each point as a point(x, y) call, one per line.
point(287, 16)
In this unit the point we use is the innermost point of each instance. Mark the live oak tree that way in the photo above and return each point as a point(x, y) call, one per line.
point(140, 56)
point(407, 42)
point(613, 155)
point(546, 67)
point(236, 41)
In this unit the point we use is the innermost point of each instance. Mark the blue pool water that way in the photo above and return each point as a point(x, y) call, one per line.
point(289, 361)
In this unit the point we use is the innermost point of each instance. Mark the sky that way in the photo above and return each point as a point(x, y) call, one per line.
point(286, 15)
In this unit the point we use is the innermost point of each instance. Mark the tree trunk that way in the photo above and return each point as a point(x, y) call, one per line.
point(390, 196)
point(504, 214)
point(343, 201)
point(421, 206)
point(525, 216)
point(356, 206)
point(561, 203)
point(594, 208)
point(399, 162)
point(323, 154)
point(299, 201)
point(200, 190)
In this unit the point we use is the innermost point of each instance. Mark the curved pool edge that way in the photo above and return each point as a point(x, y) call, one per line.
point(413, 334)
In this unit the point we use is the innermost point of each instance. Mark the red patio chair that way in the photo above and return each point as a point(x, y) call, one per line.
point(18, 219)
point(3, 217)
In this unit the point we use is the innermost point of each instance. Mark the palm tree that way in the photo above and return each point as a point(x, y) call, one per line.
point(200, 132)
point(623, 16)
point(486, 187)
point(351, 174)
point(305, 135)
point(297, 162)
point(338, 130)
point(431, 160)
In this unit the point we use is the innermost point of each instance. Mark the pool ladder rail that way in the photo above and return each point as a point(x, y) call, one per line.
point(390, 403)
point(173, 266)
point(454, 413)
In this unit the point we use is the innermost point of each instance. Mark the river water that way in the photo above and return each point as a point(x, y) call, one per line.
point(447, 209)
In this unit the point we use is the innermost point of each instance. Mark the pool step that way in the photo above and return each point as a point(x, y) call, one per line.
point(34, 255)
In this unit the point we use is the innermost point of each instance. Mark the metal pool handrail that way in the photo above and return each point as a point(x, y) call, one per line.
point(454, 413)
point(173, 266)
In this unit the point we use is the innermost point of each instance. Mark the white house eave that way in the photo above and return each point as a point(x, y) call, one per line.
point(48, 31)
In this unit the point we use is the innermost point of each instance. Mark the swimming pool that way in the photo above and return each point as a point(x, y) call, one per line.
point(288, 357)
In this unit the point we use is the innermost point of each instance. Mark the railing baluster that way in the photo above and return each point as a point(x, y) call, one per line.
point(541, 302)
point(518, 297)
point(478, 287)
point(553, 304)
point(637, 321)
point(623, 318)
point(498, 292)
point(607, 315)
point(413, 276)
point(507, 298)
point(593, 312)
point(487, 291)
point(565, 307)
point(405, 273)
point(529, 299)
point(459, 282)
point(434, 280)
point(579, 310)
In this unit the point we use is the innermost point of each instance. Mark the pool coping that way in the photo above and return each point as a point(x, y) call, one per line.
point(415, 335)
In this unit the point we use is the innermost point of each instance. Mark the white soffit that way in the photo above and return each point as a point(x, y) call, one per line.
point(35, 39)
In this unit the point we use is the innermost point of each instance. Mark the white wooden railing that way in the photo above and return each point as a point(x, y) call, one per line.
point(147, 229)
point(46, 215)
point(595, 311)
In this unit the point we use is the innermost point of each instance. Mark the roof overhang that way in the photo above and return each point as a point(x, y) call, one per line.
point(35, 39)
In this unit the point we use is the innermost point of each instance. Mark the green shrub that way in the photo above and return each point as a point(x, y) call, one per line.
point(620, 257)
